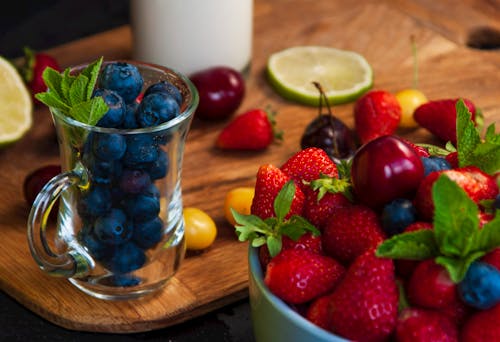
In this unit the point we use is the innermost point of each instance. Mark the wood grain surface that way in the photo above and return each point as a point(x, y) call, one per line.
point(379, 30)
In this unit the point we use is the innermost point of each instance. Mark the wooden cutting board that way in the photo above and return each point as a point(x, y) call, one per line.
point(379, 30)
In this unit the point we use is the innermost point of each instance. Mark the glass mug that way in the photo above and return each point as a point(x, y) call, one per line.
point(192, 35)
point(120, 231)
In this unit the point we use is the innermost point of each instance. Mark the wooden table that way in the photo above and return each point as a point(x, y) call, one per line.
point(379, 30)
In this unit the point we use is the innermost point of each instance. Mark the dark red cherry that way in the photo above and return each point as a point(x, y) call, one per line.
point(384, 169)
point(35, 181)
point(221, 90)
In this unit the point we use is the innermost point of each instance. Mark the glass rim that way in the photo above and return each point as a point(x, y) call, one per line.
point(184, 115)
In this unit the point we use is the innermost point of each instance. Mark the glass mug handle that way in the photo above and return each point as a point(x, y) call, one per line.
point(70, 263)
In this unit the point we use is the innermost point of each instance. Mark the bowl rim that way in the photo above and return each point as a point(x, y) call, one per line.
point(291, 315)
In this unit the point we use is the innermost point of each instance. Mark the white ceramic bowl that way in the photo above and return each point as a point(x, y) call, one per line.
point(273, 320)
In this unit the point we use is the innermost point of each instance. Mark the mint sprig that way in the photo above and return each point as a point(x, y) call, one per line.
point(72, 95)
point(456, 239)
point(472, 150)
point(270, 231)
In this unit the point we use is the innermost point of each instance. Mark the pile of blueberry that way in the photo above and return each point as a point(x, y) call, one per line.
point(120, 209)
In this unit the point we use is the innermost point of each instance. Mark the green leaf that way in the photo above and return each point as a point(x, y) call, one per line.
point(489, 236)
point(89, 112)
point(52, 100)
point(457, 267)
point(66, 82)
point(274, 244)
point(92, 73)
point(283, 201)
point(416, 245)
point(77, 90)
point(52, 79)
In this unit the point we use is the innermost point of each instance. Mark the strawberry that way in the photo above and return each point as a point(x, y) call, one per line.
point(482, 326)
point(318, 312)
point(269, 182)
point(298, 276)
point(307, 241)
point(32, 68)
point(376, 113)
point(252, 130)
point(351, 231)
point(307, 165)
point(420, 150)
point(364, 305)
point(319, 211)
point(452, 158)
point(430, 286)
point(440, 117)
point(423, 325)
point(493, 258)
point(477, 184)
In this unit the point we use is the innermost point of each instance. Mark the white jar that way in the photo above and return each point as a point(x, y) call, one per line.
point(191, 35)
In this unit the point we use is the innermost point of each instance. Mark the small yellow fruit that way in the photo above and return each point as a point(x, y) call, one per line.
point(240, 199)
point(200, 230)
point(409, 100)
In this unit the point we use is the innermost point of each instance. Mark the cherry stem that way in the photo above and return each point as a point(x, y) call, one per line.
point(322, 97)
point(415, 64)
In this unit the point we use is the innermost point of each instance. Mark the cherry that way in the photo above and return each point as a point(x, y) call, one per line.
point(384, 169)
point(329, 133)
point(221, 90)
point(35, 181)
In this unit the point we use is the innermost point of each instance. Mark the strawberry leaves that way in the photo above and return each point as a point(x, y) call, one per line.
point(456, 240)
point(270, 231)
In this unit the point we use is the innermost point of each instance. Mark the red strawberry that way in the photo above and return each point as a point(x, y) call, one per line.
point(351, 231)
point(32, 69)
point(420, 150)
point(307, 165)
point(493, 258)
point(306, 242)
point(482, 326)
point(440, 117)
point(430, 286)
point(318, 212)
point(298, 276)
point(452, 158)
point(319, 312)
point(268, 184)
point(376, 113)
point(364, 305)
point(423, 325)
point(477, 184)
point(252, 130)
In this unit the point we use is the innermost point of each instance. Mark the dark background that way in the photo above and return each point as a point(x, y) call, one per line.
point(41, 25)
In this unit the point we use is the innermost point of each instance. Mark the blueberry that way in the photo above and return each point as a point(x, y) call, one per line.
point(141, 208)
point(496, 203)
point(167, 88)
point(126, 258)
point(140, 149)
point(124, 78)
point(153, 191)
point(95, 202)
point(125, 280)
point(159, 167)
point(109, 146)
point(101, 171)
point(434, 163)
point(129, 121)
point(397, 215)
point(93, 246)
point(134, 181)
point(481, 286)
point(156, 108)
point(147, 234)
point(114, 116)
point(113, 228)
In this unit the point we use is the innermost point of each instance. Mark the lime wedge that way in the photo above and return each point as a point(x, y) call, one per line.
point(344, 75)
point(15, 103)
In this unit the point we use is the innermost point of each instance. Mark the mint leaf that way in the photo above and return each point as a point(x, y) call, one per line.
point(489, 236)
point(417, 245)
point(73, 94)
point(457, 267)
point(471, 149)
point(455, 218)
point(274, 245)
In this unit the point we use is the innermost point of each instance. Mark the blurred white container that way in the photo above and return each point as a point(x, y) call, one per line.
point(191, 35)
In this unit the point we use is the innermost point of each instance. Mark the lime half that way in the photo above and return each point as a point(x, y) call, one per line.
point(16, 105)
point(343, 75)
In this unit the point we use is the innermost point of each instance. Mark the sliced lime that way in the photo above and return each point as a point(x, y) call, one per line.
point(344, 75)
point(16, 104)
